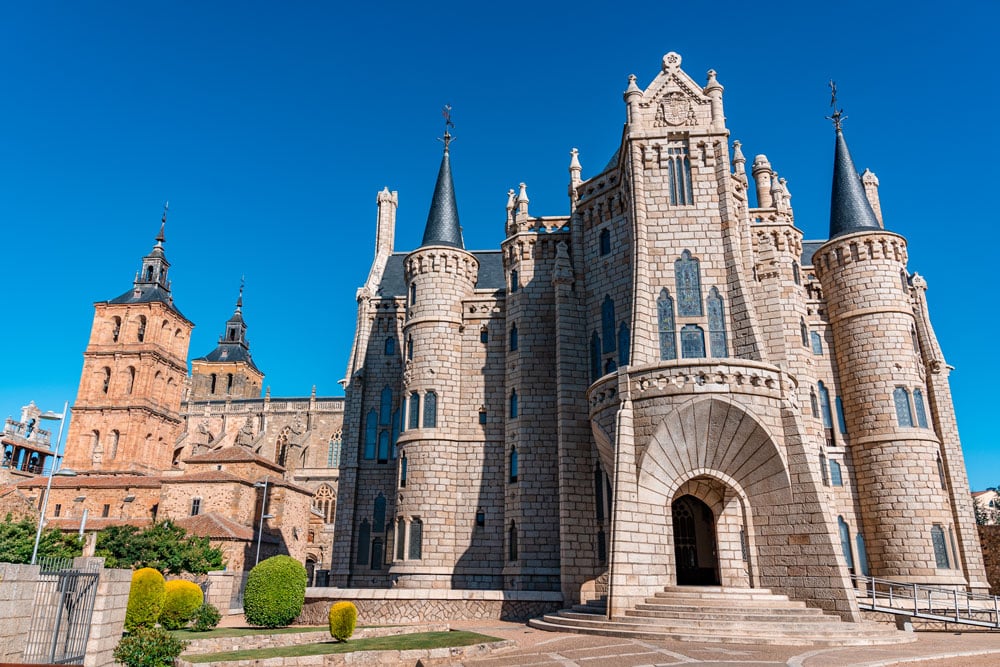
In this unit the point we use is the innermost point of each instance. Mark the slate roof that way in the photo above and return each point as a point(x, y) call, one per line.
point(809, 249)
point(443, 227)
point(490, 273)
point(230, 352)
point(147, 293)
point(850, 210)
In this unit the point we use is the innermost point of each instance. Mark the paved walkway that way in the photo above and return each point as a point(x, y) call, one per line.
point(538, 648)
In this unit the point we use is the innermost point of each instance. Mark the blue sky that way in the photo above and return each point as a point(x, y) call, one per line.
point(270, 127)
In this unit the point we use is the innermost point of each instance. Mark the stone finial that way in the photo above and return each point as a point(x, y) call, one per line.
point(386, 196)
point(870, 182)
point(713, 83)
point(761, 172)
point(574, 163)
point(522, 200)
point(776, 195)
point(633, 88)
point(869, 177)
point(786, 195)
point(738, 157)
point(510, 200)
point(671, 61)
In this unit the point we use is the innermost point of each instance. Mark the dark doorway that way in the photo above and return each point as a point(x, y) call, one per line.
point(694, 543)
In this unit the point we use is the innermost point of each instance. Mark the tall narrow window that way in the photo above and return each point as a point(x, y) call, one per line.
point(716, 324)
point(608, 324)
point(371, 433)
point(414, 420)
point(918, 405)
point(513, 404)
point(624, 342)
point(377, 554)
point(595, 357)
point(403, 472)
point(130, 380)
point(796, 276)
point(229, 383)
point(390, 346)
point(940, 546)
point(823, 470)
point(513, 280)
point(195, 506)
point(836, 475)
point(333, 452)
point(116, 329)
point(413, 293)
point(817, 342)
point(804, 332)
point(113, 449)
point(409, 348)
point(687, 273)
point(105, 511)
point(325, 502)
point(214, 381)
point(604, 241)
point(364, 542)
point(692, 342)
point(513, 465)
point(385, 406)
point(430, 409)
point(845, 542)
point(395, 432)
point(667, 328)
point(813, 403)
point(416, 539)
point(383, 446)
point(599, 493)
point(841, 422)
point(378, 513)
point(141, 332)
point(512, 541)
point(602, 547)
point(609, 366)
point(903, 282)
point(678, 171)
point(901, 398)
point(914, 340)
point(824, 404)
point(940, 470)
point(513, 338)
point(400, 538)
point(484, 335)
point(107, 380)
point(859, 541)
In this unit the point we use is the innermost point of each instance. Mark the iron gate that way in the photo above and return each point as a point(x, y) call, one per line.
point(60, 621)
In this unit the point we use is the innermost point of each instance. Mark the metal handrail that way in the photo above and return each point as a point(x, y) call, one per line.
point(930, 602)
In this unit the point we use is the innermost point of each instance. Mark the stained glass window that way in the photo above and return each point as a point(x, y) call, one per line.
point(513, 403)
point(667, 328)
point(859, 540)
point(901, 398)
point(624, 342)
point(414, 421)
point(430, 409)
point(716, 324)
point(608, 324)
point(390, 346)
point(796, 276)
point(918, 405)
point(692, 342)
point(513, 465)
point(817, 342)
point(513, 338)
point(385, 406)
point(371, 433)
point(824, 403)
point(841, 422)
point(416, 539)
point(378, 513)
point(845, 542)
point(836, 475)
point(383, 446)
point(513, 281)
point(678, 170)
point(333, 453)
point(940, 547)
point(687, 273)
point(400, 538)
point(605, 241)
point(364, 542)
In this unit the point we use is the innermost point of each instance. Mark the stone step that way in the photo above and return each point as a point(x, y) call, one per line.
point(776, 602)
point(655, 611)
point(727, 592)
point(781, 626)
point(590, 608)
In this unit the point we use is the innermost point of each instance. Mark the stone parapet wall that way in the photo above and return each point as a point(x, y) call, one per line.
point(989, 538)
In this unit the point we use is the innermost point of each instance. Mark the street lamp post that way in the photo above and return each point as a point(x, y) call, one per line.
point(53, 471)
point(263, 507)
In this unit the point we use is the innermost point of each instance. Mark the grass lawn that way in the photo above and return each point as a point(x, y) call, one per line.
point(395, 643)
point(243, 632)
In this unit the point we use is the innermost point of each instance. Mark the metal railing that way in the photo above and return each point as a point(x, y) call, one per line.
point(62, 614)
point(928, 602)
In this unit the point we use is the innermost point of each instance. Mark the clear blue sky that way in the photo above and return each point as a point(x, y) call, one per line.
point(271, 126)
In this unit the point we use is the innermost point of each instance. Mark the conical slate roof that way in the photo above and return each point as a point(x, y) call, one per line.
point(442, 220)
point(850, 210)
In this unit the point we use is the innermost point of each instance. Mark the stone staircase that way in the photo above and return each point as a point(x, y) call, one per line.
point(717, 614)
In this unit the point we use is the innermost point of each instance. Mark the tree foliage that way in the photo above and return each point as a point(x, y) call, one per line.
point(986, 515)
point(148, 647)
point(275, 592)
point(17, 539)
point(163, 546)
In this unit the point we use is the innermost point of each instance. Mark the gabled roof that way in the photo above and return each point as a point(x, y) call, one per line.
point(215, 526)
point(233, 454)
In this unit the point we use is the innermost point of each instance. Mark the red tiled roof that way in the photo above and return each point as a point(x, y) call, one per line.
point(233, 454)
point(94, 482)
point(205, 476)
point(215, 526)
point(73, 524)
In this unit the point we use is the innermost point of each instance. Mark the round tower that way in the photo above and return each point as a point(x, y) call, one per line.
point(432, 451)
point(905, 510)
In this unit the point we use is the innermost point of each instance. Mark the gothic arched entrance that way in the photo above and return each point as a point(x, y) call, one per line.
point(695, 548)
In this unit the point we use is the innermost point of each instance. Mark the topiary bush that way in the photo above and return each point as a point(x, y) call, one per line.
point(343, 617)
point(275, 592)
point(148, 647)
point(205, 618)
point(145, 599)
point(181, 600)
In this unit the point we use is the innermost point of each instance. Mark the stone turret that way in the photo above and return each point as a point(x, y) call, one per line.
point(906, 513)
point(761, 173)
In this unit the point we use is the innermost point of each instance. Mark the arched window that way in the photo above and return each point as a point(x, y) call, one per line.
point(796, 276)
point(95, 444)
point(106, 384)
point(364, 542)
point(813, 403)
point(823, 470)
point(390, 346)
point(845, 542)
point(687, 273)
point(513, 338)
point(385, 406)
point(113, 449)
point(413, 293)
point(667, 328)
point(824, 403)
point(400, 539)
point(804, 331)
point(130, 380)
point(914, 340)
point(333, 451)
point(377, 554)
point(281, 449)
point(817, 342)
point(940, 546)
point(604, 241)
point(371, 434)
point(595, 357)
point(513, 280)
point(512, 541)
point(513, 403)
point(409, 348)
point(609, 366)
point(841, 422)
point(859, 541)
point(430, 409)
point(214, 381)
point(678, 171)
point(904, 283)
point(229, 383)
point(602, 547)
point(414, 420)
point(716, 325)
point(116, 328)
point(383, 446)
point(624, 341)
point(836, 474)
point(378, 513)
point(692, 342)
point(901, 398)
point(918, 405)
point(608, 324)
point(484, 335)
point(402, 471)
point(416, 539)
point(325, 502)
point(940, 471)
point(141, 332)
point(513, 465)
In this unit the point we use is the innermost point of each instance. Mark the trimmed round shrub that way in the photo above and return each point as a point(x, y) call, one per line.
point(275, 592)
point(148, 647)
point(343, 617)
point(145, 599)
point(182, 598)
point(205, 618)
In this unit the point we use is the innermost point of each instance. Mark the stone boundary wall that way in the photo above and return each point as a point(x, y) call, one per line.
point(989, 538)
point(378, 606)
point(250, 642)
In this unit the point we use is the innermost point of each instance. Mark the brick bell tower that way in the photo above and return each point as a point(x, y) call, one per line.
point(228, 371)
point(127, 411)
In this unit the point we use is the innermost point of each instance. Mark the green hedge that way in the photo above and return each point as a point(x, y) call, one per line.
point(275, 592)
point(148, 647)
point(145, 599)
point(181, 601)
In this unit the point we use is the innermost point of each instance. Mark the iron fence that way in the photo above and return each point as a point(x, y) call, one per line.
point(60, 620)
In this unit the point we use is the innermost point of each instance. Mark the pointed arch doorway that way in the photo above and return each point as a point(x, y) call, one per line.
point(695, 546)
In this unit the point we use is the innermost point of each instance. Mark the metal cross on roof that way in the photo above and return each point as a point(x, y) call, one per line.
point(837, 116)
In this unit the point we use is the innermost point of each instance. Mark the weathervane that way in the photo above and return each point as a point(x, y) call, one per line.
point(163, 222)
point(446, 112)
point(837, 116)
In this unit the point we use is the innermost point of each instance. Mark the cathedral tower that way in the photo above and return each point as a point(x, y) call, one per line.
point(228, 371)
point(127, 411)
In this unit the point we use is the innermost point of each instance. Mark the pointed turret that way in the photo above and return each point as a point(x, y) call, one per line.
point(850, 210)
point(228, 370)
point(151, 283)
point(233, 344)
point(442, 220)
